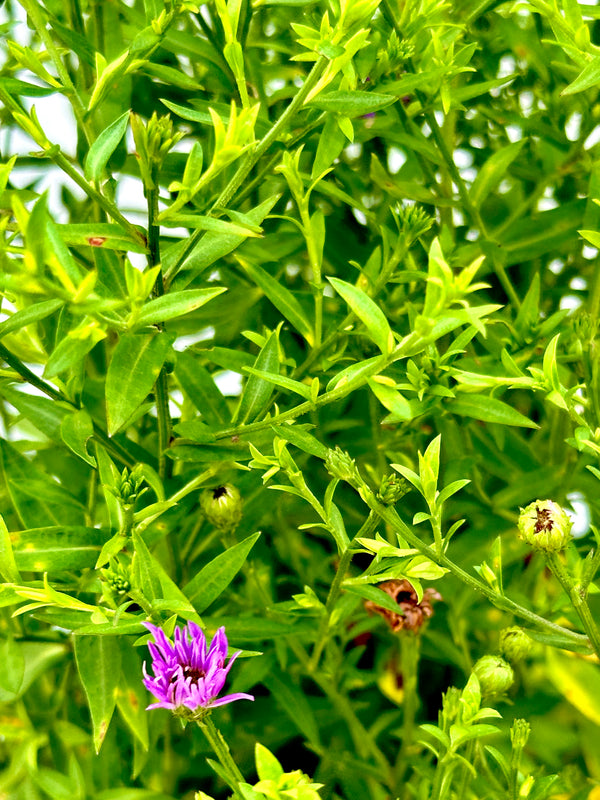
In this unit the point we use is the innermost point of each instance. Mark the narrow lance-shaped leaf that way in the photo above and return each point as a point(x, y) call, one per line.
point(133, 370)
point(488, 409)
point(368, 312)
point(216, 576)
point(257, 391)
point(281, 297)
point(99, 665)
point(176, 304)
point(103, 148)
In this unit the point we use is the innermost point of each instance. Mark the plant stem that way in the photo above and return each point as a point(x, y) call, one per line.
point(112, 211)
point(578, 597)
point(410, 650)
point(161, 386)
point(33, 9)
point(336, 588)
point(221, 750)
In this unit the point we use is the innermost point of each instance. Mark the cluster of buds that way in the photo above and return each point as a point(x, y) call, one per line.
point(412, 222)
point(411, 613)
point(339, 465)
point(222, 506)
point(152, 141)
point(116, 578)
point(545, 526)
point(391, 489)
point(129, 486)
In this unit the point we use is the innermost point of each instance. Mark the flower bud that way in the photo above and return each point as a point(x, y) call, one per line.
point(391, 489)
point(545, 526)
point(519, 733)
point(129, 487)
point(515, 645)
point(339, 464)
point(495, 676)
point(222, 506)
point(116, 578)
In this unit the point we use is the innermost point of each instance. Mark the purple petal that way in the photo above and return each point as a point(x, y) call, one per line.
point(229, 698)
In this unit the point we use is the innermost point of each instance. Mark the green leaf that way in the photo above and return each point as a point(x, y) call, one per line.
point(391, 398)
point(37, 499)
point(200, 387)
point(368, 312)
point(104, 235)
point(27, 316)
point(131, 694)
point(8, 565)
point(135, 365)
point(151, 577)
point(210, 248)
point(103, 148)
point(47, 415)
point(98, 661)
point(257, 391)
point(57, 547)
point(175, 304)
point(203, 223)
point(588, 77)
point(76, 430)
point(488, 409)
point(73, 348)
point(296, 705)
point(301, 439)
point(493, 171)
point(39, 657)
point(13, 666)
point(288, 384)
point(352, 104)
point(14, 86)
point(281, 297)
point(377, 596)
point(216, 576)
point(268, 767)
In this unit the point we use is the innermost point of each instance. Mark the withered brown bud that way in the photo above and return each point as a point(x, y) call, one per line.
point(411, 614)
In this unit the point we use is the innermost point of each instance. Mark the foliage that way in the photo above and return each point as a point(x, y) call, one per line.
point(351, 329)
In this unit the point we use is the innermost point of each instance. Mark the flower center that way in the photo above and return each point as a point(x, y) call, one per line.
point(544, 521)
point(194, 674)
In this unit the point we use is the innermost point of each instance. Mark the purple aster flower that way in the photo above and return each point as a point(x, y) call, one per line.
point(187, 678)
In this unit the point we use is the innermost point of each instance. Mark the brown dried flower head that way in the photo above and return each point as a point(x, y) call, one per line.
point(411, 614)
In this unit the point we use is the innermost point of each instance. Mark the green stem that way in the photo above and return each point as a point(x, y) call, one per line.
point(336, 589)
point(410, 650)
point(255, 155)
point(112, 211)
point(33, 9)
point(221, 750)
point(162, 386)
point(578, 597)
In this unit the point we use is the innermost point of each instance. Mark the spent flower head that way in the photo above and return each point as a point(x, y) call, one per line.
point(188, 676)
point(411, 613)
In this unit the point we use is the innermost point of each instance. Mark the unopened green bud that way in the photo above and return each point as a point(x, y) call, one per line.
point(495, 676)
point(545, 526)
point(129, 487)
point(519, 733)
point(515, 645)
point(222, 506)
point(392, 489)
point(450, 707)
point(116, 578)
point(339, 464)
